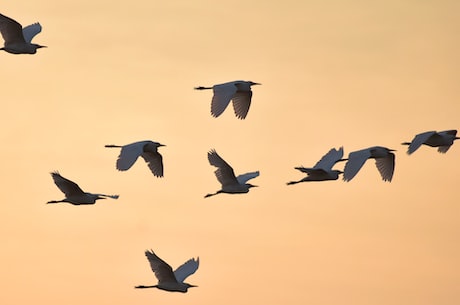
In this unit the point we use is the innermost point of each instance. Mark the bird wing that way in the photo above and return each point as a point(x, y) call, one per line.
point(452, 133)
point(355, 161)
point(223, 93)
point(129, 154)
point(11, 30)
point(386, 166)
point(329, 159)
point(69, 188)
point(310, 170)
point(241, 103)
point(419, 140)
point(186, 269)
point(243, 178)
point(224, 172)
point(30, 31)
point(162, 270)
point(155, 162)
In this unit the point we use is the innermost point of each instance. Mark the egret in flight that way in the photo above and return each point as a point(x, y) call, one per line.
point(237, 91)
point(443, 140)
point(18, 39)
point(147, 150)
point(384, 160)
point(74, 194)
point(226, 176)
point(323, 169)
point(167, 279)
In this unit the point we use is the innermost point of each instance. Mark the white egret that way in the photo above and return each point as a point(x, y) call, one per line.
point(323, 169)
point(384, 160)
point(226, 176)
point(167, 279)
point(147, 150)
point(74, 194)
point(237, 91)
point(443, 140)
point(18, 39)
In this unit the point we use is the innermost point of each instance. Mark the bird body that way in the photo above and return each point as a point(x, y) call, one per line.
point(323, 168)
point(148, 150)
point(18, 39)
point(384, 160)
point(168, 279)
point(74, 194)
point(239, 92)
point(443, 140)
point(226, 176)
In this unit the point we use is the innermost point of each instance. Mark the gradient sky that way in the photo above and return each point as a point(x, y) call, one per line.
point(334, 73)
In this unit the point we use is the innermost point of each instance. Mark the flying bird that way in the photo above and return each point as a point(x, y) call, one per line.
point(18, 39)
point(226, 176)
point(167, 279)
point(147, 150)
point(237, 91)
point(443, 140)
point(384, 160)
point(323, 169)
point(74, 194)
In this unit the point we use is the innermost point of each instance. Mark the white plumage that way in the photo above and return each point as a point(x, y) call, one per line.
point(167, 279)
point(239, 92)
point(18, 39)
point(224, 173)
point(323, 168)
point(74, 194)
point(443, 140)
point(148, 150)
point(384, 160)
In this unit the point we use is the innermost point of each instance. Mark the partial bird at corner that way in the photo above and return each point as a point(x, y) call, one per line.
point(443, 140)
point(323, 169)
point(18, 39)
point(74, 194)
point(384, 160)
point(224, 173)
point(167, 279)
point(237, 91)
point(147, 150)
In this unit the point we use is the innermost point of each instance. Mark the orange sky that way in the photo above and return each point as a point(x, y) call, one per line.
point(333, 73)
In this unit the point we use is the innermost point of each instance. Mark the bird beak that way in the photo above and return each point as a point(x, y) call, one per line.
point(392, 149)
point(41, 47)
point(257, 84)
point(161, 145)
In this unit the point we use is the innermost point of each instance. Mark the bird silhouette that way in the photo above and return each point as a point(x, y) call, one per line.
point(18, 39)
point(167, 279)
point(443, 140)
point(147, 150)
point(226, 176)
point(237, 91)
point(323, 169)
point(74, 194)
point(384, 160)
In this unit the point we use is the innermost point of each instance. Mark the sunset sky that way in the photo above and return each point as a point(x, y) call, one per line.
point(334, 73)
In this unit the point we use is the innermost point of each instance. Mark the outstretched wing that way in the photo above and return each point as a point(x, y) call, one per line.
point(419, 140)
point(329, 159)
point(386, 166)
point(155, 162)
point(243, 178)
point(223, 93)
point(129, 154)
point(11, 30)
point(69, 188)
point(30, 31)
point(241, 103)
point(162, 270)
point(186, 269)
point(355, 161)
point(224, 172)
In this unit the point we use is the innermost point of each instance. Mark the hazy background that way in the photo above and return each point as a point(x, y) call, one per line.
point(333, 73)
